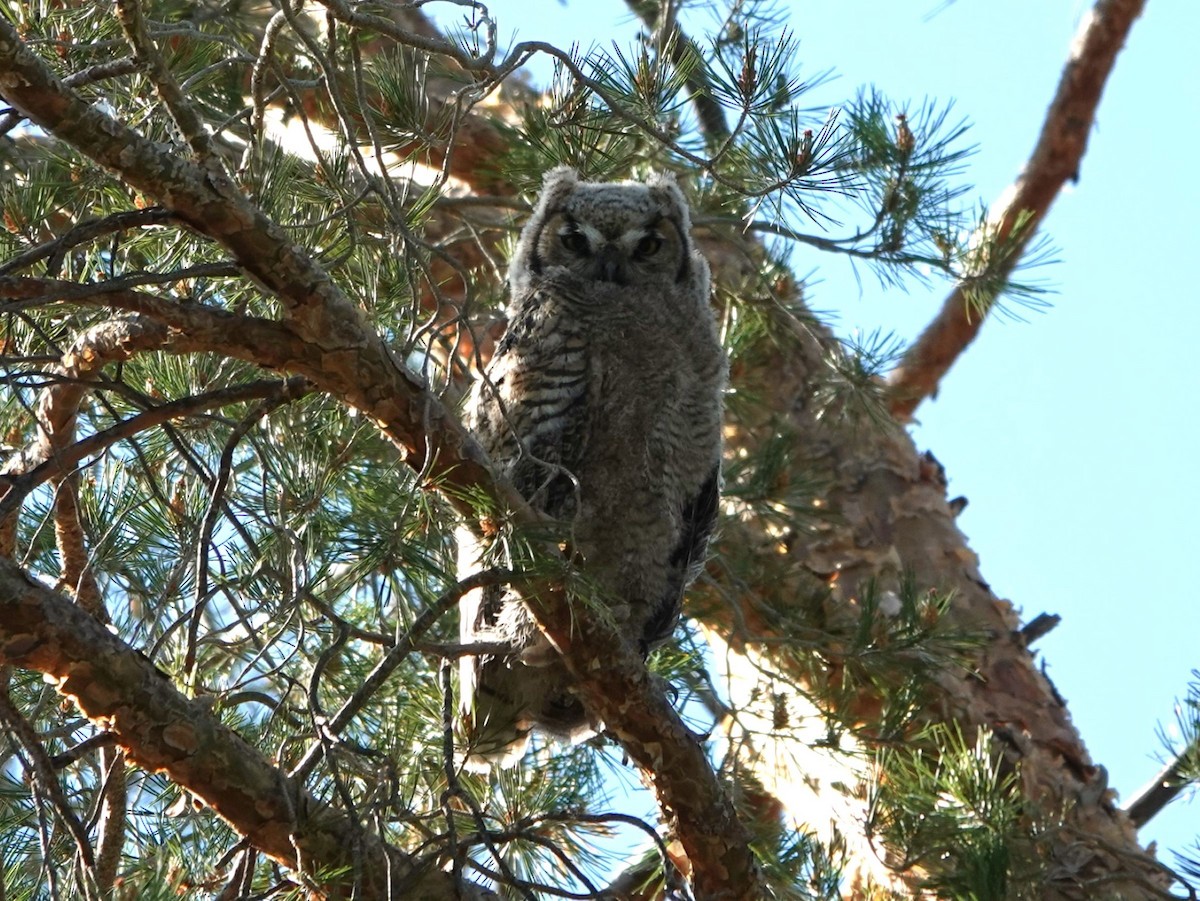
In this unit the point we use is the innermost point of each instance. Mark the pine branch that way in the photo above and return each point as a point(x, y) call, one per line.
point(53, 456)
point(1165, 787)
point(42, 769)
point(163, 731)
point(661, 17)
point(206, 201)
point(54, 251)
point(1182, 772)
point(1055, 161)
point(396, 655)
point(191, 127)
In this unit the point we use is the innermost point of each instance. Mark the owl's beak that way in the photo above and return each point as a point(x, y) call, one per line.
point(609, 261)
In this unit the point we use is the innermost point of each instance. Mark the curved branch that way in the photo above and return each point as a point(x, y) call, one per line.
point(67, 458)
point(1054, 161)
point(162, 731)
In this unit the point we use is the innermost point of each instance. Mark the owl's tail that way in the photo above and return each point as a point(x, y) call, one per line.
point(505, 696)
point(505, 699)
point(496, 724)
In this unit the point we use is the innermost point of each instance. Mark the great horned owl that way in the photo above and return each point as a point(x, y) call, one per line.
point(602, 406)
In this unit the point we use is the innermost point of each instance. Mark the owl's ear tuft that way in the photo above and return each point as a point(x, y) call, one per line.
point(556, 184)
point(692, 265)
point(665, 190)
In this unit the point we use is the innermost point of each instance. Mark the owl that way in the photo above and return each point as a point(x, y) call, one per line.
point(602, 406)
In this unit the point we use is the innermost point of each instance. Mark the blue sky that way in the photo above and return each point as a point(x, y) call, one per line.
point(1072, 433)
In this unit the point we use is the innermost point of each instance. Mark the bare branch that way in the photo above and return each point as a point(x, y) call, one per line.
point(65, 459)
point(145, 52)
point(1054, 161)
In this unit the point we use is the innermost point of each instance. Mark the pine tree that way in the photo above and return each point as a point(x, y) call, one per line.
point(253, 256)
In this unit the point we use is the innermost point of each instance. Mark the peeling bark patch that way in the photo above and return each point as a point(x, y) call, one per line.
point(17, 646)
point(181, 736)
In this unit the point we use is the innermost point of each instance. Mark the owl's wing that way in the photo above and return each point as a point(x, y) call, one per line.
point(530, 414)
point(534, 405)
point(699, 518)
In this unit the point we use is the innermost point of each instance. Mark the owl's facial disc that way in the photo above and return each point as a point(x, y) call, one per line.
point(610, 257)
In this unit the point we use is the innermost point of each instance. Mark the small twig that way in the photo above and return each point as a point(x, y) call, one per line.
point(394, 657)
point(85, 747)
point(458, 851)
point(258, 92)
point(145, 52)
point(216, 503)
point(61, 290)
point(68, 458)
point(1039, 627)
point(98, 72)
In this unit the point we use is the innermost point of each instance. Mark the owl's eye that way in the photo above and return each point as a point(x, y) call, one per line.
point(648, 246)
point(574, 242)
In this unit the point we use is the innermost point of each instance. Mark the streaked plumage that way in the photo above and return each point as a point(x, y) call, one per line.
point(602, 405)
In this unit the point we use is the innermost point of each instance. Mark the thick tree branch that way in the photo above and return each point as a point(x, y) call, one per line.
point(162, 731)
point(615, 685)
point(1055, 160)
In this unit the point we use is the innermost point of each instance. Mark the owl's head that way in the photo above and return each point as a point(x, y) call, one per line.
point(624, 233)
